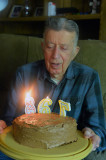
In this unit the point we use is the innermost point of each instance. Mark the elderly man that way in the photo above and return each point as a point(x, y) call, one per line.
point(59, 77)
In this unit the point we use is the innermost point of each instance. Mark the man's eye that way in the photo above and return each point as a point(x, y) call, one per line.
point(63, 48)
point(50, 47)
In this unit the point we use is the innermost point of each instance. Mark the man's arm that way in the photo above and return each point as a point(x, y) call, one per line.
point(95, 127)
point(13, 100)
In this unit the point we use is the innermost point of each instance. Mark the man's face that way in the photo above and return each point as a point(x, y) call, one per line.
point(59, 51)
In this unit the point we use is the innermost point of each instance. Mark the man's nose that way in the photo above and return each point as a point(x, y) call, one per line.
point(56, 52)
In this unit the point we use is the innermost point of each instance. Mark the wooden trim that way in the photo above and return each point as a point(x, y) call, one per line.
point(43, 18)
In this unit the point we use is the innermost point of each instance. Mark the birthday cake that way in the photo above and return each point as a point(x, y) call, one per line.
point(39, 130)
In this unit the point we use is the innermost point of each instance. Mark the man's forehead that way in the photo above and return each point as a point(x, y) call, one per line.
point(64, 43)
point(52, 43)
point(62, 36)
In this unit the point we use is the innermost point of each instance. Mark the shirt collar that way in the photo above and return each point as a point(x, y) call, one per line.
point(43, 74)
point(70, 71)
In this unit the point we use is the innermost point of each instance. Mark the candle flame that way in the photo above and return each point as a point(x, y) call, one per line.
point(28, 94)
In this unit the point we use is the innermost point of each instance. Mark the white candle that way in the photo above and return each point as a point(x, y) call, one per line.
point(43, 106)
point(29, 104)
point(64, 106)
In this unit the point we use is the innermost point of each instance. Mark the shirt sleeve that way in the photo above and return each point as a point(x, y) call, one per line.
point(14, 104)
point(94, 110)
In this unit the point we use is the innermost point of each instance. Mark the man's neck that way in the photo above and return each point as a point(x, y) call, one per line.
point(56, 81)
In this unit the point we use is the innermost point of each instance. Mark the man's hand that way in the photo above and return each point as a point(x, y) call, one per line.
point(2, 126)
point(95, 139)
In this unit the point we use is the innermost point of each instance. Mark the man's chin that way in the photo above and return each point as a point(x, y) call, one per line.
point(56, 74)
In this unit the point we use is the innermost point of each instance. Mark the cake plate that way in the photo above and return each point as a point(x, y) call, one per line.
point(74, 151)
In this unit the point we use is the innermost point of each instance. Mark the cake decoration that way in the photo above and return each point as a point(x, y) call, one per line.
point(64, 106)
point(43, 106)
point(29, 104)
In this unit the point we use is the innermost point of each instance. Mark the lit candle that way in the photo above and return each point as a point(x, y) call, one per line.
point(64, 106)
point(43, 106)
point(29, 104)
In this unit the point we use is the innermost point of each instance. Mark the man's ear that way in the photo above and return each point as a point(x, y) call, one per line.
point(42, 45)
point(77, 50)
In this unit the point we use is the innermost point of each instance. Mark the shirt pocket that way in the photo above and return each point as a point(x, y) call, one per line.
point(73, 101)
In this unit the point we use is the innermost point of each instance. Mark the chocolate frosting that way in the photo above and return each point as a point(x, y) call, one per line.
point(44, 130)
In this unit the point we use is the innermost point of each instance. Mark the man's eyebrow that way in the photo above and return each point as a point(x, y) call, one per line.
point(63, 44)
point(50, 42)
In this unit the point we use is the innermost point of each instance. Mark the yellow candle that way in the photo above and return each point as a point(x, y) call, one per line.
point(43, 106)
point(64, 106)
